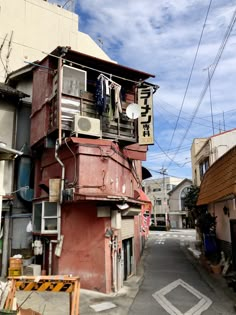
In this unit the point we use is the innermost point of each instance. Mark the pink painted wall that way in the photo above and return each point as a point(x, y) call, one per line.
point(86, 251)
point(101, 169)
point(137, 240)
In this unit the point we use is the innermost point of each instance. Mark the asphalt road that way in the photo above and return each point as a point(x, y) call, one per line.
point(172, 284)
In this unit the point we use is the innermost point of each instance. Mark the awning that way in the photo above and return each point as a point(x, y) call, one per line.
point(140, 195)
point(145, 173)
point(219, 180)
point(7, 153)
point(132, 211)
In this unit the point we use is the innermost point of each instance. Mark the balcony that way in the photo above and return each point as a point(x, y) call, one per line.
point(122, 129)
point(70, 88)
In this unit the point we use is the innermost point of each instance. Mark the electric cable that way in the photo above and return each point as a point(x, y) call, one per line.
point(73, 62)
point(215, 63)
point(191, 72)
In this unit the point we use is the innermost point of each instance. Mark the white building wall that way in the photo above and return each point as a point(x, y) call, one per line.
point(222, 143)
point(7, 120)
point(197, 145)
point(213, 147)
point(38, 27)
point(150, 185)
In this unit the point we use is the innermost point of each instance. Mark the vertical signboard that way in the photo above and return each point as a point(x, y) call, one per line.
point(145, 123)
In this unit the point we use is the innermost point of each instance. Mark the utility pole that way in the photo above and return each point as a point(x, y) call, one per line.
point(209, 86)
point(163, 171)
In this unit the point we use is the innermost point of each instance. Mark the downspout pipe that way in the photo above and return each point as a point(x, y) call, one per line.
point(62, 186)
point(50, 256)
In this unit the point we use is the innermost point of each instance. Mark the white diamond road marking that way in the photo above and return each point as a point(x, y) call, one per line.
point(203, 304)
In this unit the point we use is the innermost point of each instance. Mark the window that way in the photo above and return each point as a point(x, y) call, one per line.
point(158, 202)
point(45, 217)
point(157, 189)
point(203, 167)
point(182, 196)
point(74, 81)
point(168, 187)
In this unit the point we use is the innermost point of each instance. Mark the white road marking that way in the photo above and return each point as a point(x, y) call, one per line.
point(203, 304)
point(102, 306)
point(160, 242)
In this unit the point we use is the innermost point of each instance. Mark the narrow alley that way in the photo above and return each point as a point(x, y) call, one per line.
point(173, 284)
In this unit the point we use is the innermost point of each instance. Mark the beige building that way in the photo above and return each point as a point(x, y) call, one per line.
point(177, 211)
point(217, 193)
point(205, 151)
point(30, 29)
point(157, 191)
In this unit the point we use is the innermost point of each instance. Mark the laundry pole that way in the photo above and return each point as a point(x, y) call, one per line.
point(2, 191)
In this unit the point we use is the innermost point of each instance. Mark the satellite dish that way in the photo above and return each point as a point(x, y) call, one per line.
point(133, 111)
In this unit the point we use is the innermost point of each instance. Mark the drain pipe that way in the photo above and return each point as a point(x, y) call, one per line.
point(62, 187)
point(50, 256)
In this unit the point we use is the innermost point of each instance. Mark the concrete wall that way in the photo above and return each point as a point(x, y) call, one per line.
point(150, 185)
point(197, 144)
point(175, 206)
point(7, 124)
point(221, 143)
point(36, 27)
point(223, 221)
point(218, 145)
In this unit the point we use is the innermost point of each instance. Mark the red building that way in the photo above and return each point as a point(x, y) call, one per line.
point(88, 152)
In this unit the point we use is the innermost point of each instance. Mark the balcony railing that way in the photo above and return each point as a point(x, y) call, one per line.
point(121, 129)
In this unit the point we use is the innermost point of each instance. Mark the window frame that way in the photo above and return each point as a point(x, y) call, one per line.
point(46, 217)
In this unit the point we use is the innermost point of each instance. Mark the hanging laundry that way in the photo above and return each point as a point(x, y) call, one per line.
point(108, 97)
point(118, 102)
point(107, 86)
point(100, 95)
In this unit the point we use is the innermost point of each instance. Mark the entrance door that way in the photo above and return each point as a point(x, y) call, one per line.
point(233, 241)
point(128, 253)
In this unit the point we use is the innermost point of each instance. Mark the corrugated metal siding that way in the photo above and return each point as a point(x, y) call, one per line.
point(20, 238)
point(127, 228)
point(219, 180)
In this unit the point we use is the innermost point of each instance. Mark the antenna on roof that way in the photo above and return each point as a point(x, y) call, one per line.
point(70, 7)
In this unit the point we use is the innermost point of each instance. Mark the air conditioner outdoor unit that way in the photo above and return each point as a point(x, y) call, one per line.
point(86, 126)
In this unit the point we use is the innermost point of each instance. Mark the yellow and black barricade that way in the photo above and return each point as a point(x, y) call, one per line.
point(56, 283)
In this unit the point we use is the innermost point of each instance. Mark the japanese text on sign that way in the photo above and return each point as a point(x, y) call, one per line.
point(145, 100)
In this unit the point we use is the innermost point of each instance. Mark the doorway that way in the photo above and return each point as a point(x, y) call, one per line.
point(127, 245)
point(233, 241)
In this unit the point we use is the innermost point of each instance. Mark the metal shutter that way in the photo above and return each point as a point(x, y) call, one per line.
point(127, 228)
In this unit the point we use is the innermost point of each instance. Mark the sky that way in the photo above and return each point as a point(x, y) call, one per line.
point(189, 45)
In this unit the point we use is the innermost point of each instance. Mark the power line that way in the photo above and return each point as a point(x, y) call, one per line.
point(155, 171)
point(198, 117)
point(214, 66)
point(190, 76)
point(185, 119)
point(166, 154)
point(73, 62)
